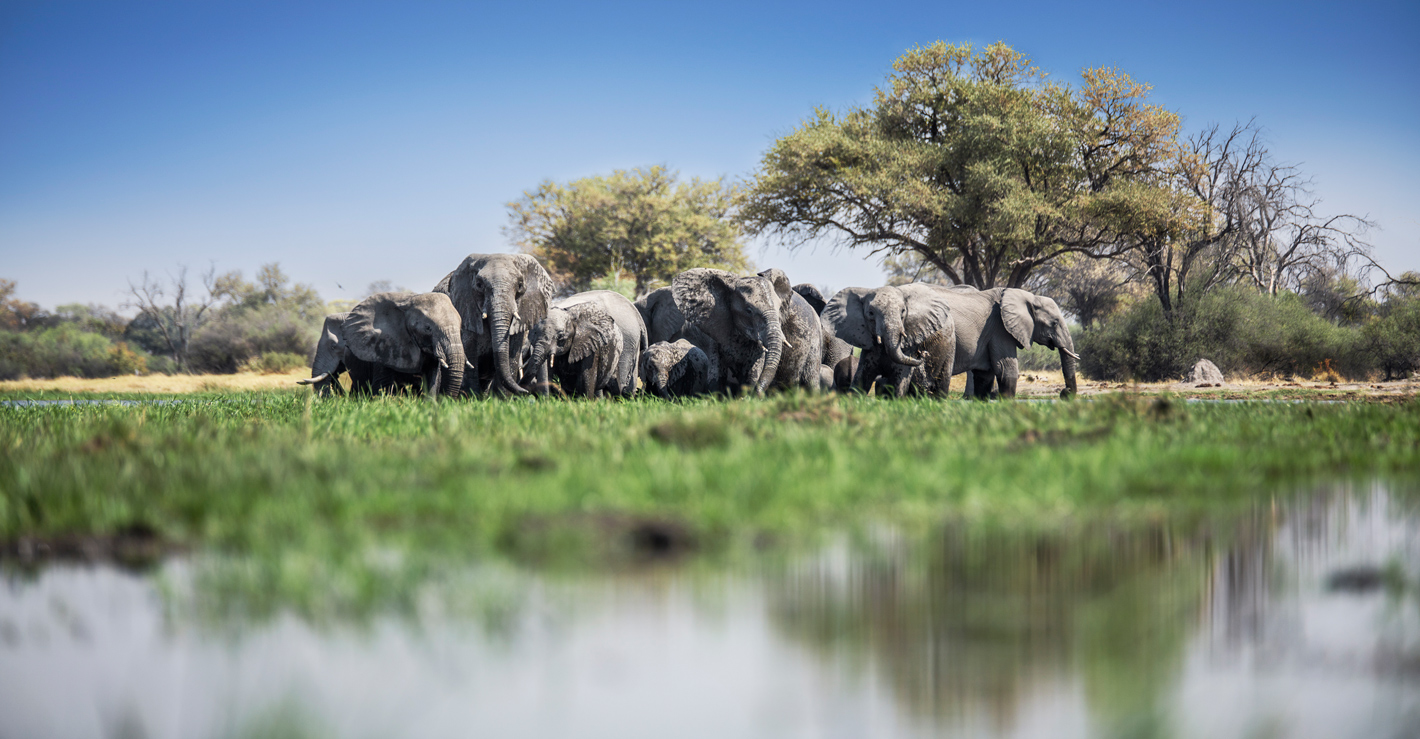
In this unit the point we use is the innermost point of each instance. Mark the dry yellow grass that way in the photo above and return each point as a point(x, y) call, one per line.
point(159, 383)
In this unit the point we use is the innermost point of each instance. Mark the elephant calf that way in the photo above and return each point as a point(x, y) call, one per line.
point(583, 346)
point(674, 370)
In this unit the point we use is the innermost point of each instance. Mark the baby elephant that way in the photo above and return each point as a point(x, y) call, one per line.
point(675, 370)
point(583, 346)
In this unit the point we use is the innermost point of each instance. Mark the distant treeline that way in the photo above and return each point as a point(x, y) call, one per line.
point(224, 325)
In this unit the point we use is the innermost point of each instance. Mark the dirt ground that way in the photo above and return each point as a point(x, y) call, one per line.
point(1049, 384)
point(1033, 384)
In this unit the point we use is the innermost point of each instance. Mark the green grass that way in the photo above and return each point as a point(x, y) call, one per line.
point(272, 470)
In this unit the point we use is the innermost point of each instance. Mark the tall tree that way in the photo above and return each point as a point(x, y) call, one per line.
point(974, 162)
point(642, 222)
point(174, 310)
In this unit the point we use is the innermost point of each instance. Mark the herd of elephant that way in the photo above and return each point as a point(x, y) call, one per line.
point(492, 327)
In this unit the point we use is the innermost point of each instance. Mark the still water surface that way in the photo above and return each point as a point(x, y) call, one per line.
point(1298, 618)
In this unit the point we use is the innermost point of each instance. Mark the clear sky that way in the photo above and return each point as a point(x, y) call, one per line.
point(355, 142)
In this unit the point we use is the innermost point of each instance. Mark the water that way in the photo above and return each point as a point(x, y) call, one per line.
point(1297, 618)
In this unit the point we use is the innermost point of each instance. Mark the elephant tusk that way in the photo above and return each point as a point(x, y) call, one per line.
point(469, 365)
point(1073, 355)
point(786, 343)
point(313, 380)
point(442, 363)
point(485, 315)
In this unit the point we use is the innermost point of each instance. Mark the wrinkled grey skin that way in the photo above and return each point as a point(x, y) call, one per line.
point(665, 323)
point(740, 319)
point(906, 332)
point(582, 346)
point(328, 362)
point(803, 337)
point(992, 325)
point(399, 334)
point(499, 297)
point(630, 337)
point(675, 369)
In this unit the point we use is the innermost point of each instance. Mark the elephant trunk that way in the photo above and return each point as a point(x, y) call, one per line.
point(543, 350)
point(773, 350)
point(1069, 363)
point(501, 318)
point(454, 357)
point(890, 330)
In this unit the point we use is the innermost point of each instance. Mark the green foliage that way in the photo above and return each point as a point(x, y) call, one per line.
point(276, 472)
point(270, 317)
point(274, 362)
point(1240, 330)
point(642, 222)
point(66, 349)
point(1392, 341)
point(239, 335)
point(976, 163)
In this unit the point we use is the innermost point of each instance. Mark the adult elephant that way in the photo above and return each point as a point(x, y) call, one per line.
point(499, 297)
point(907, 334)
point(599, 324)
point(739, 318)
point(803, 336)
point(992, 325)
point(328, 362)
point(393, 335)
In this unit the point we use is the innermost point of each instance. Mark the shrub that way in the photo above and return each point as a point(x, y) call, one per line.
point(235, 337)
point(1392, 342)
point(66, 349)
point(271, 363)
point(1241, 331)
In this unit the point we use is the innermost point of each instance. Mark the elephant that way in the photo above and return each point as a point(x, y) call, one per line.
point(389, 336)
point(499, 298)
point(665, 323)
point(907, 334)
point(739, 318)
point(803, 336)
point(993, 324)
point(835, 350)
point(675, 369)
point(328, 363)
point(574, 328)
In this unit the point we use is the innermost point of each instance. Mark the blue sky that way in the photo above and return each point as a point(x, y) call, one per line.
point(355, 142)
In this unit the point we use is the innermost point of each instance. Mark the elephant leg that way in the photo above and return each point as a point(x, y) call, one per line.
point(1007, 372)
point(588, 377)
point(979, 384)
point(869, 366)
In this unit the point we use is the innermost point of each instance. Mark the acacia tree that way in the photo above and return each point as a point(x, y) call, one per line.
point(974, 162)
point(642, 222)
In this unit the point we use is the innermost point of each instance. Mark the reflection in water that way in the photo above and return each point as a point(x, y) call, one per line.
point(1203, 630)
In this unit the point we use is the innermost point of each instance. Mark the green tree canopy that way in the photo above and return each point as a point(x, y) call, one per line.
point(973, 161)
point(642, 222)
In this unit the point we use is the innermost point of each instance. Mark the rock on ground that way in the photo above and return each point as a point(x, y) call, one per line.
point(1206, 371)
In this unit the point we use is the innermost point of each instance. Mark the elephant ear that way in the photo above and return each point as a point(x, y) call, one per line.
point(1015, 313)
point(702, 296)
point(468, 301)
point(926, 316)
point(780, 281)
point(375, 332)
point(843, 316)
point(694, 359)
point(593, 329)
point(537, 292)
point(812, 295)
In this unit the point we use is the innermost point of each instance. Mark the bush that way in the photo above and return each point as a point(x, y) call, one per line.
point(1392, 342)
point(1241, 331)
point(66, 349)
point(272, 363)
point(236, 337)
